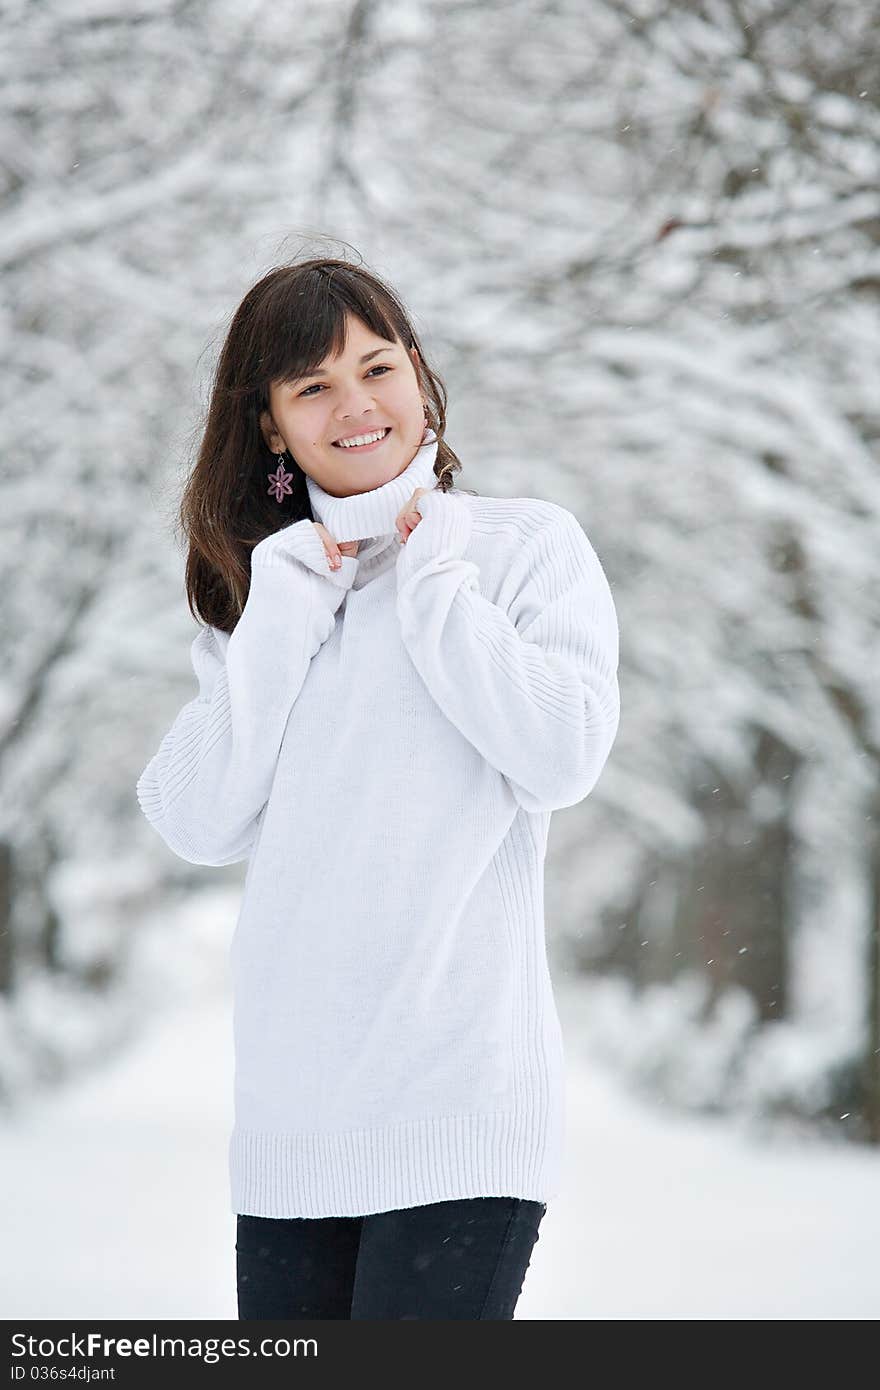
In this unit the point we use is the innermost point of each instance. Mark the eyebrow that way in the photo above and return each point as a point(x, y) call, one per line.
point(320, 372)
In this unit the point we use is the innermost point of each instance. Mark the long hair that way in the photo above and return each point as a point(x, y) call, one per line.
point(286, 325)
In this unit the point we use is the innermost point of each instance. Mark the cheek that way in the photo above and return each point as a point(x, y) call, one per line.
point(408, 401)
point(309, 433)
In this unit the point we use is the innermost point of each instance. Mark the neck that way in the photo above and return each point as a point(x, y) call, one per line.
point(373, 513)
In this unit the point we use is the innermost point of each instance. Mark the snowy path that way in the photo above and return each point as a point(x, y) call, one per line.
point(115, 1203)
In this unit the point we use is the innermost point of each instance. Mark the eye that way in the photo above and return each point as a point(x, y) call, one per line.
point(380, 367)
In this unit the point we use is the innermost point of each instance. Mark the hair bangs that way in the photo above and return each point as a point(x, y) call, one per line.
point(300, 335)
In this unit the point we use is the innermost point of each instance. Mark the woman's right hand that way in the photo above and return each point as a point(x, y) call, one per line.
point(334, 550)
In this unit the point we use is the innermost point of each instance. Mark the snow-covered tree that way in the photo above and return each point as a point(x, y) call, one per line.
point(643, 244)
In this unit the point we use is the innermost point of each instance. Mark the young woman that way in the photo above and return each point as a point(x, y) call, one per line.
point(398, 682)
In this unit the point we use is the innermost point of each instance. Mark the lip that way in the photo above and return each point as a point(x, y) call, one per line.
point(364, 448)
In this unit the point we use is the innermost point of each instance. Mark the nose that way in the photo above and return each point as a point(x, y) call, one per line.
point(355, 402)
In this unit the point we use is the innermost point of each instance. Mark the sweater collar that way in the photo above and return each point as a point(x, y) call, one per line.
point(373, 513)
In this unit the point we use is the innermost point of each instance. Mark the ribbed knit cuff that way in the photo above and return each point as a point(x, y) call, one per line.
point(302, 542)
point(443, 534)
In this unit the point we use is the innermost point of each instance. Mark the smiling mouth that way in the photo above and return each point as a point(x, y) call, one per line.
point(362, 448)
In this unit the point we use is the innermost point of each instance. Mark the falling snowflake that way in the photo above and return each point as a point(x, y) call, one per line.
point(279, 482)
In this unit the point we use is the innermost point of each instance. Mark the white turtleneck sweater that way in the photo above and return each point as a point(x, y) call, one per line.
point(385, 745)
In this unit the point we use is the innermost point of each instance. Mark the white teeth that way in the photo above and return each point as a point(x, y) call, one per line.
point(360, 439)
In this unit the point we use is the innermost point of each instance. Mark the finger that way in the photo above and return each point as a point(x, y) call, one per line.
point(330, 547)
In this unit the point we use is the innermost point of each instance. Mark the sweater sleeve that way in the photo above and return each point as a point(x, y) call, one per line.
point(534, 687)
point(207, 784)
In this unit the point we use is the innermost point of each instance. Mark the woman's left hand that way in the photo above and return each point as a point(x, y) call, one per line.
point(409, 518)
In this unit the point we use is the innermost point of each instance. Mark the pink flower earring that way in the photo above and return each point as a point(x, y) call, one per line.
point(279, 482)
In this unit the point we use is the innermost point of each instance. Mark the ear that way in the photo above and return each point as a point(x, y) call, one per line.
point(273, 439)
point(414, 354)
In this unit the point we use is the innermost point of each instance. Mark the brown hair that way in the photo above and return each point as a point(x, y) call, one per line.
point(285, 326)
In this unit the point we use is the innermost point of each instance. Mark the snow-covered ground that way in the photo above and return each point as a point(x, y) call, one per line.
point(115, 1201)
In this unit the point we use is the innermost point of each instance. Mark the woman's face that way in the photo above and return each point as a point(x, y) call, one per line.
point(346, 397)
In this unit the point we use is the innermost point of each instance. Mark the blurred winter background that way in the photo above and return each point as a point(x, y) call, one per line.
point(642, 244)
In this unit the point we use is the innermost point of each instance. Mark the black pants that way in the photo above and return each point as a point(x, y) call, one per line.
point(460, 1259)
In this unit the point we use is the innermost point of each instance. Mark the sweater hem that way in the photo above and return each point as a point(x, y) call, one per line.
point(364, 1171)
